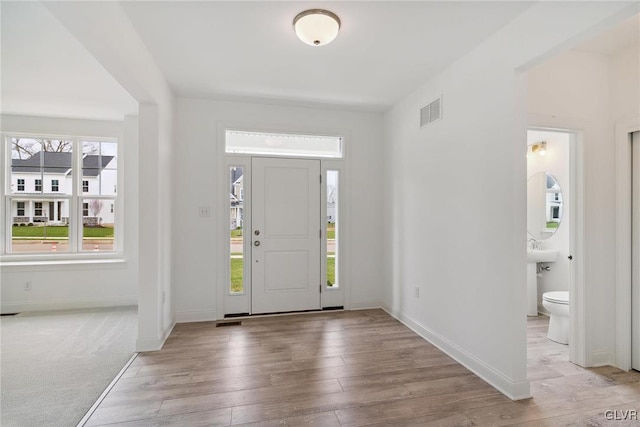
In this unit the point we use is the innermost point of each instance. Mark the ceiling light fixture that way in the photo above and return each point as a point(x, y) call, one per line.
point(316, 27)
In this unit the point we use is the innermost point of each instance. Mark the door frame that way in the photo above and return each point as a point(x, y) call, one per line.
point(577, 312)
point(623, 131)
point(226, 302)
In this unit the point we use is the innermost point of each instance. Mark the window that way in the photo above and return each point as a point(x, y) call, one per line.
point(236, 241)
point(332, 229)
point(243, 142)
point(77, 210)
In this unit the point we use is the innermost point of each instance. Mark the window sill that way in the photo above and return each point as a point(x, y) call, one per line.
point(91, 263)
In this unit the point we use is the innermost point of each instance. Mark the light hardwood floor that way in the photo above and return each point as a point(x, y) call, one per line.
point(348, 369)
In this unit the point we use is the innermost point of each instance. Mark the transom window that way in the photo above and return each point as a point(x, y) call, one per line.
point(76, 211)
point(244, 142)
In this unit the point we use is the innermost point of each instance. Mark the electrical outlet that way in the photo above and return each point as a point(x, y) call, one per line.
point(417, 292)
point(27, 285)
point(204, 211)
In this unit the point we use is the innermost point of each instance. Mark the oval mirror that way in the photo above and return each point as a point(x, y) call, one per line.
point(544, 205)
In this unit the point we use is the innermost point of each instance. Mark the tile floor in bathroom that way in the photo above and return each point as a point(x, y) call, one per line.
point(551, 373)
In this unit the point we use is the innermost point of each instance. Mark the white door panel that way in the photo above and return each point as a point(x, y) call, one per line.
point(285, 251)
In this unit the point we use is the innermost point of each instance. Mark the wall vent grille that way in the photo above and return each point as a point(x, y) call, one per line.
point(431, 112)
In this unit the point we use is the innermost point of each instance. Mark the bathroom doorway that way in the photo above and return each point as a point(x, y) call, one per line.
point(553, 192)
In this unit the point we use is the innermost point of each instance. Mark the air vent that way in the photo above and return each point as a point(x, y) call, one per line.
point(431, 112)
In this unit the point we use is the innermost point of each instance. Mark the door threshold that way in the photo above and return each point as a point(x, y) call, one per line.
point(281, 313)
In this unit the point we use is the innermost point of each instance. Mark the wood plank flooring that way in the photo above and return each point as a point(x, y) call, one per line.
point(350, 368)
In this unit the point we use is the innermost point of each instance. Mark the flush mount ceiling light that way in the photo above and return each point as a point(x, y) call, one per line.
point(316, 27)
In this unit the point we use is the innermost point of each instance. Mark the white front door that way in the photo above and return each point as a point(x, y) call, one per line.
point(285, 235)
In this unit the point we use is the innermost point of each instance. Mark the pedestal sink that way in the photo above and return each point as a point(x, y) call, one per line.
point(535, 256)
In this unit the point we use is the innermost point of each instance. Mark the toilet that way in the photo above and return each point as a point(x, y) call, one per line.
point(557, 304)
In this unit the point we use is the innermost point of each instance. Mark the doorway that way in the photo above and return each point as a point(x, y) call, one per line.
point(286, 235)
point(283, 216)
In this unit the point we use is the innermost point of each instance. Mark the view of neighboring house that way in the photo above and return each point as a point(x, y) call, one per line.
point(237, 197)
point(49, 174)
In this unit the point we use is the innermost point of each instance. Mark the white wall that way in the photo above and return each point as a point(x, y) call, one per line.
point(86, 285)
point(196, 263)
point(556, 162)
point(447, 238)
point(624, 84)
point(107, 33)
point(590, 92)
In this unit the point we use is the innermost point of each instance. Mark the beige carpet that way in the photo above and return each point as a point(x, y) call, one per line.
point(55, 364)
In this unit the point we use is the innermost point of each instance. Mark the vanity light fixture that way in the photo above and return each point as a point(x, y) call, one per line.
point(540, 148)
point(316, 27)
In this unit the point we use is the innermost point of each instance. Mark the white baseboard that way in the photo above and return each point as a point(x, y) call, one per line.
point(543, 310)
point(196, 316)
point(366, 304)
point(64, 304)
point(601, 358)
point(153, 344)
point(515, 390)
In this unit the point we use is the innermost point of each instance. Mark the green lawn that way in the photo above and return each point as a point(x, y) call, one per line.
point(58, 231)
point(331, 271)
point(236, 275)
point(552, 224)
point(331, 231)
point(236, 233)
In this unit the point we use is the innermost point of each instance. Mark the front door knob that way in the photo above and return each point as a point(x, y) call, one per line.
point(256, 243)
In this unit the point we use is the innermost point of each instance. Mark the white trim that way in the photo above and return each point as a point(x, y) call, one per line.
point(601, 358)
point(196, 316)
point(153, 344)
point(578, 323)
point(60, 264)
point(64, 304)
point(365, 304)
point(222, 226)
point(623, 130)
point(106, 391)
point(515, 390)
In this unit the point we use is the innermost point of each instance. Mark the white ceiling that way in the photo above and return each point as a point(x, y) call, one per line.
point(249, 49)
point(623, 36)
point(47, 72)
